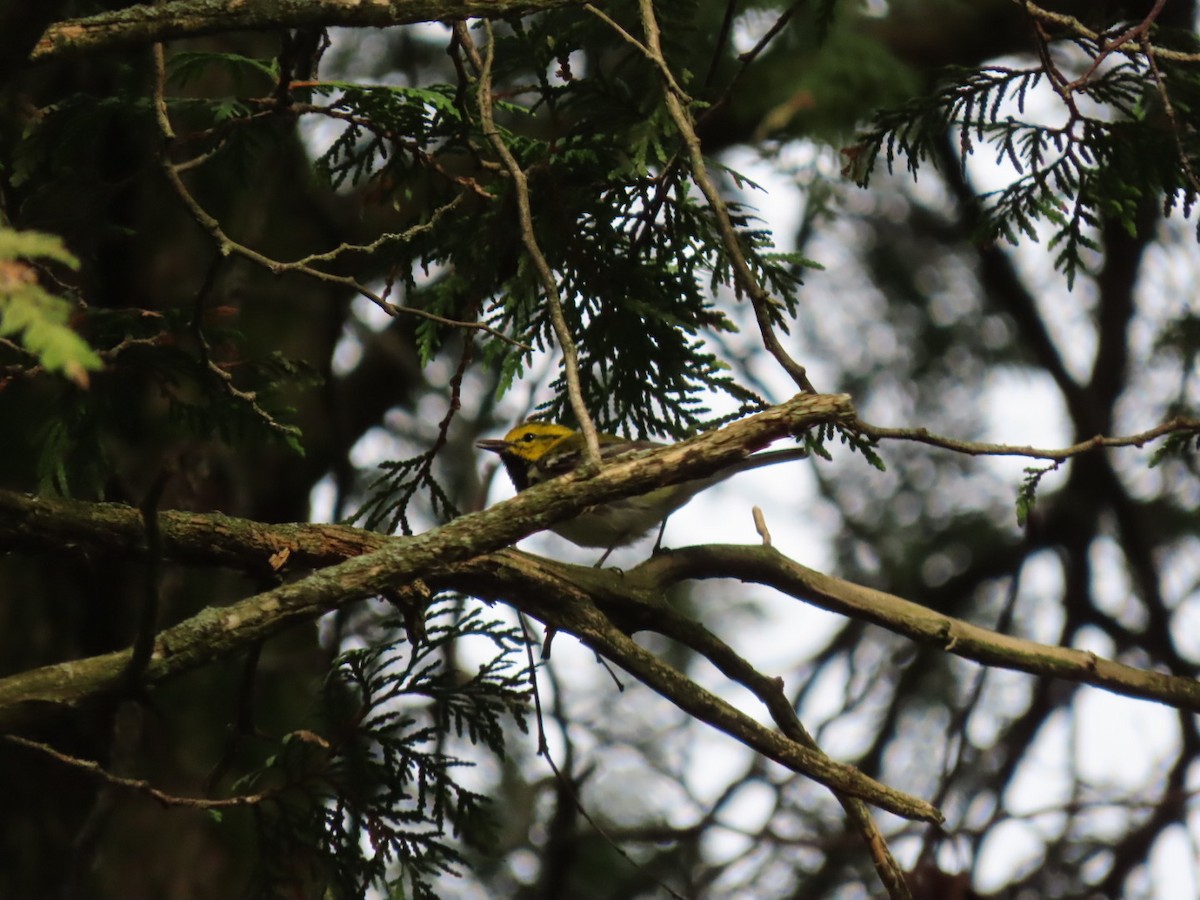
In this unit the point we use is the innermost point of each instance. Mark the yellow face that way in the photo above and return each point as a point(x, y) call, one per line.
point(524, 445)
point(533, 440)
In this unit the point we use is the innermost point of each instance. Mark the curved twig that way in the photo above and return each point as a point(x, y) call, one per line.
point(136, 784)
point(226, 245)
point(765, 306)
point(1178, 425)
point(529, 239)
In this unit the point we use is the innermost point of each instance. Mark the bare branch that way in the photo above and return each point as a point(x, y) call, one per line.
point(1178, 425)
point(765, 306)
point(765, 565)
point(226, 245)
point(1121, 44)
point(135, 784)
point(187, 18)
point(529, 239)
point(394, 561)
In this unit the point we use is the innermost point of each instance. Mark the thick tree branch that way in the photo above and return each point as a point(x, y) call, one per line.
point(362, 564)
point(765, 565)
point(569, 598)
point(600, 607)
point(192, 18)
point(546, 590)
point(217, 632)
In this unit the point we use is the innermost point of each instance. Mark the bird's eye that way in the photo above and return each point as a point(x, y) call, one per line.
point(529, 437)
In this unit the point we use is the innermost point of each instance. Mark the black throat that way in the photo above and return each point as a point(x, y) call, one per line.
point(518, 472)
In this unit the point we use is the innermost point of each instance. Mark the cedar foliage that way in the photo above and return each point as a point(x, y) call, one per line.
point(138, 351)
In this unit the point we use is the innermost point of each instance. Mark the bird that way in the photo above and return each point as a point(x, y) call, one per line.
point(534, 452)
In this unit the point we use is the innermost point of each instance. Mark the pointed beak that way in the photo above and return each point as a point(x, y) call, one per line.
point(495, 445)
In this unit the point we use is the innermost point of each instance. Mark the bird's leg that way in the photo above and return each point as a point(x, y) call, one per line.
point(658, 541)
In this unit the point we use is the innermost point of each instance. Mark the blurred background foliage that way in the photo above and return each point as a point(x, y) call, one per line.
point(274, 395)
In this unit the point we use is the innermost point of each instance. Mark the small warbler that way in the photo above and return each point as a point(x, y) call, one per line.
point(536, 451)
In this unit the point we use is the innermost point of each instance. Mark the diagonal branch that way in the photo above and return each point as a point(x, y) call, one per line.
point(227, 246)
point(765, 565)
point(597, 632)
point(525, 217)
point(137, 785)
point(769, 691)
point(398, 561)
point(361, 564)
point(766, 307)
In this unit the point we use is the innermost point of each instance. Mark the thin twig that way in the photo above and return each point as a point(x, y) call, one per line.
point(528, 238)
point(134, 784)
point(168, 135)
point(1077, 27)
point(543, 750)
point(771, 693)
point(17, 370)
point(1139, 31)
point(143, 644)
point(1178, 425)
point(1058, 81)
point(160, 99)
point(1169, 111)
point(657, 59)
point(243, 720)
point(765, 306)
point(226, 245)
point(760, 525)
point(745, 59)
point(200, 159)
point(723, 33)
point(958, 726)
